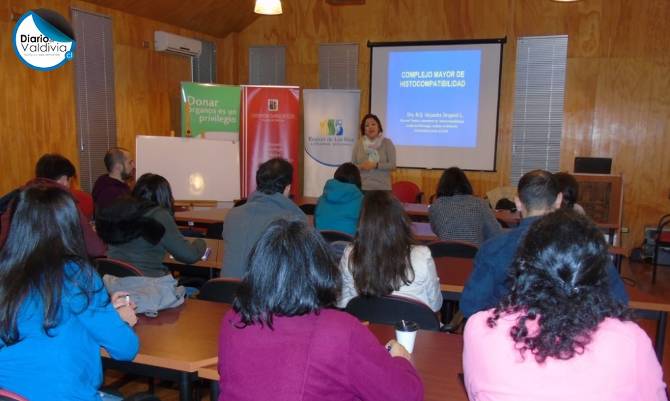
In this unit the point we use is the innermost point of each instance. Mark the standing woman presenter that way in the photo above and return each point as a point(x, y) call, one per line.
point(374, 154)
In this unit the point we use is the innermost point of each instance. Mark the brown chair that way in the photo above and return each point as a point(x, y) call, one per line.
point(116, 268)
point(407, 192)
point(454, 249)
point(661, 239)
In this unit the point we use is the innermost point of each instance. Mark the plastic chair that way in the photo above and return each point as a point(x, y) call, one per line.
point(6, 395)
point(661, 239)
point(391, 308)
point(219, 290)
point(116, 268)
point(332, 236)
point(455, 249)
point(407, 192)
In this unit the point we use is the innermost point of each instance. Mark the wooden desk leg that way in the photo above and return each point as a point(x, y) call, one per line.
point(660, 335)
point(213, 390)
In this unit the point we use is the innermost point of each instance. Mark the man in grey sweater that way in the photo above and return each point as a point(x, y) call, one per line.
point(245, 224)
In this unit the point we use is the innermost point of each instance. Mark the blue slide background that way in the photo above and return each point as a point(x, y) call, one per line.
point(433, 100)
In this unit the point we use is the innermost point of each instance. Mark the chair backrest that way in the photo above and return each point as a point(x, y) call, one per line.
point(391, 308)
point(456, 249)
point(308, 208)
point(332, 236)
point(6, 395)
point(662, 236)
point(116, 268)
point(219, 290)
point(407, 191)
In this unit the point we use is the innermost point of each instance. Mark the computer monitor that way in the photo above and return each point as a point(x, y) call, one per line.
point(593, 165)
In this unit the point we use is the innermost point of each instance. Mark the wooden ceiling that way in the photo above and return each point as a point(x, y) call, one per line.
point(213, 17)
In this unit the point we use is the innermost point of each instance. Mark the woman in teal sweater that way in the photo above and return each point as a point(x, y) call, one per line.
point(340, 205)
point(55, 313)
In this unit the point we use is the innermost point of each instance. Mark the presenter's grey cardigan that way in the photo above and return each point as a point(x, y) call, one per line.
point(379, 178)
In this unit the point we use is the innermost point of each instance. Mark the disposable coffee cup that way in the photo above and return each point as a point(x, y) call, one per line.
point(405, 334)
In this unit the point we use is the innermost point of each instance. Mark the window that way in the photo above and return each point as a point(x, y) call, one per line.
point(203, 67)
point(267, 65)
point(94, 86)
point(338, 66)
point(538, 104)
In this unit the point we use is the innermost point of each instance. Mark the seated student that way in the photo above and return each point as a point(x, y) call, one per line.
point(282, 341)
point(54, 309)
point(340, 205)
point(383, 259)
point(245, 224)
point(487, 285)
point(559, 334)
point(457, 215)
point(141, 230)
point(108, 187)
point(569, 187)
point(54, 169)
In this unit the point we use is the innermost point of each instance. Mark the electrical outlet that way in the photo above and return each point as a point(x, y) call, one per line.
point(624, 230)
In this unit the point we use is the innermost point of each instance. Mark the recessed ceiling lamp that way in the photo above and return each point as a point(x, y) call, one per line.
point(268, 7)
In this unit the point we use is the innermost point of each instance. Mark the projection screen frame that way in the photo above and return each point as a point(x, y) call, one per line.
point(502, 41)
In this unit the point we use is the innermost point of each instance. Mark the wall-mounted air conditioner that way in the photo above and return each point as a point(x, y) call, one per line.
point(171, 43)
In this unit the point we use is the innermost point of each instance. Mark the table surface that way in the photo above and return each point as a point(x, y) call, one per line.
point(214, 261)
point(437, 357)
point(204, 216)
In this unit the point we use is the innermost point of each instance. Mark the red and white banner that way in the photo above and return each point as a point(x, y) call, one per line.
point(270, 128)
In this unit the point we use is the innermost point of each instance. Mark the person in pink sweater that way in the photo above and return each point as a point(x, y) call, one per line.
point(281, 341)
point(559, 335)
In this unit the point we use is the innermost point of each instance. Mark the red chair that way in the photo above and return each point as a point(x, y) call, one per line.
point(407, 192)
point(661, 239)
point(6, 395)
point(116, 268)
point(455, 249)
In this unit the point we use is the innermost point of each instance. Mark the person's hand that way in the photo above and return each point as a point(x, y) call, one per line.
point(368, 165)
point(396, 349)
point(127, 314)
point(125, 307)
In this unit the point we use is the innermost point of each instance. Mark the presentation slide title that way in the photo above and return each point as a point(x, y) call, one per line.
point(433, 79)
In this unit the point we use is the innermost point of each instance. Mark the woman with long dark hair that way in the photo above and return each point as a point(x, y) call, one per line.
point(559, 334)
point(283, 341)
point(374, 155)
point(141, 229)
point(457, 215)
point(384, 259)
point(55, 313)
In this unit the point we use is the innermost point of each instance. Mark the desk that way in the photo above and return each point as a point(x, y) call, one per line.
point(215, 260)
point(174, 345)
point(454, 272)
point(423, 232)
point(205, 216)
point(437, 358)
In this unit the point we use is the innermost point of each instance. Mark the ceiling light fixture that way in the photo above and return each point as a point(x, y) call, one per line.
point(268, 7)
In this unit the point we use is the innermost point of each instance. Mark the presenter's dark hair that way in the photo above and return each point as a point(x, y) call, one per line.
point(569, 187)
point(44, 236)
point(154, 189)
point(538, 189)
point(374, 117)
point(560, 283)
point(453, 182)
point(274, 176)
point(113, 157)
point(349, 174)
point(380, 259)
point(291, 273)
point(54, 166)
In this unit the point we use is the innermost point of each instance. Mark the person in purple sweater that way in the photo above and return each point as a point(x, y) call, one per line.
point(281, 341)
point(560, 334)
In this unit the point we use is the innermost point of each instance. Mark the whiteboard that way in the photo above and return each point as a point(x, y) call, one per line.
point(197, 169)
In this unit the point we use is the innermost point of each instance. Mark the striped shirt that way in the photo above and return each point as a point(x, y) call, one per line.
point(463, 218)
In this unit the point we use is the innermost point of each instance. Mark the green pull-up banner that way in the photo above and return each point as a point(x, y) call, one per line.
point(210, 110)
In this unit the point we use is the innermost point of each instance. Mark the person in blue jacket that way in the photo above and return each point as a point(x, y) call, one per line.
point(340, 205)
point(55, 313)
point(538, 194)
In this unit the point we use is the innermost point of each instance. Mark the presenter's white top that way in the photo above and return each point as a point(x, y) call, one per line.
point(425, 288)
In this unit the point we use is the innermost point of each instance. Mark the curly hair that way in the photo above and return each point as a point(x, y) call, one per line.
point(560, 287)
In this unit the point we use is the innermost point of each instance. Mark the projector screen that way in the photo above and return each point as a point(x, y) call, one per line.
point(438, 101)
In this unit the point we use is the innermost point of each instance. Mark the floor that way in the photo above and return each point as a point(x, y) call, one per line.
point(638, 274)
